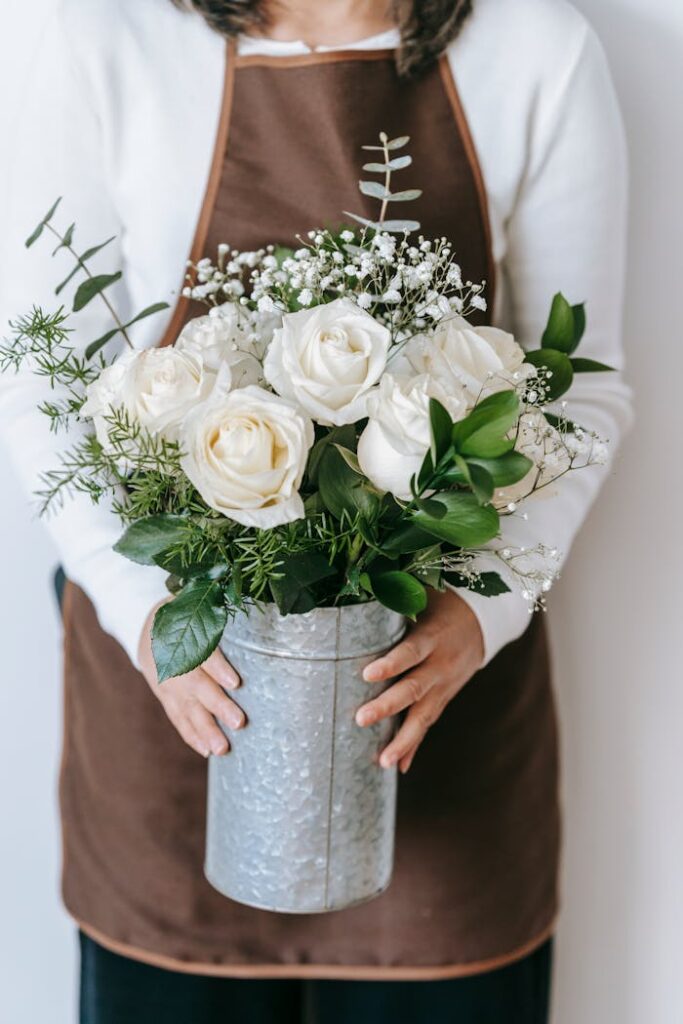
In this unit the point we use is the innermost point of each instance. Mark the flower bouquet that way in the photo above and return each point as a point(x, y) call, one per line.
point(332, 439)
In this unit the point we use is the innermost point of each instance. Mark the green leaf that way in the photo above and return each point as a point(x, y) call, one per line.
point(579, 312)
point(467, 524)
point(37, 232)
point(374, 189)
point(341, 489)
point(491, 584)
point(400, 592)
point(560, 332)
point(146, 539)
point(87, 291)
point(580, 365)
point(344, 436)
point(478, 478)
point(297, 573)
point(482, 432)
point(406, 196)
point(350, 458)
point(66, 241)
point(83, 258)
point(95, 346)
point(560, 367)
point(188, 629)
point(431, 507)
point(441, 429)
point(149, 311)
point(506, 470)
point(405, 539)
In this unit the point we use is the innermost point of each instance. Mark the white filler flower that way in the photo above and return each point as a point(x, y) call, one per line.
point(478, 359)
point(157, 387)
point(228, 335)
point(327, 359)
point(246, 452)
point(397, 436)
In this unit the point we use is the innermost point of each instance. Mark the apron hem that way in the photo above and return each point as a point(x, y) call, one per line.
point(336, 972)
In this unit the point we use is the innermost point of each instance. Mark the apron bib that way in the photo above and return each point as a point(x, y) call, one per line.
point(474, 884)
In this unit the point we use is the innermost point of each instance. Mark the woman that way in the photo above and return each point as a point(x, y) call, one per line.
point(177, 129)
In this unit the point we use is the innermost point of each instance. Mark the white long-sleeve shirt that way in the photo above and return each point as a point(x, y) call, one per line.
point(119, 116)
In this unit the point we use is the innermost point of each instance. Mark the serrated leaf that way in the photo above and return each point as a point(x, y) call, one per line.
point(406, 196)
point(559, 366)
point(466, 523)
point(559, 333)
point(580, 365)
point(399, 226)
point(400, 592)
point(188, 629)
point(144, 540)
point(37, 232)
point(95, 346)
point(398, 143)
point(92, 287)
point(374, 189)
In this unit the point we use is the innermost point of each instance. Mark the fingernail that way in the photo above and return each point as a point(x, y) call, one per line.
point(234, 719)
point(204, 751)
point(388, 760)
point(371, 673)
point(219, 747)
point(364, 717)
point(232, 682)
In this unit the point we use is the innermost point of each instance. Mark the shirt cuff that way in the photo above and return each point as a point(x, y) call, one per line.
point(502, 618)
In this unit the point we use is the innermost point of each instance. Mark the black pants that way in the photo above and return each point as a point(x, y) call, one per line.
point(116, 990)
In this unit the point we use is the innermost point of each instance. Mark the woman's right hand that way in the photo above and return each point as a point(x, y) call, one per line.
point(194, 701)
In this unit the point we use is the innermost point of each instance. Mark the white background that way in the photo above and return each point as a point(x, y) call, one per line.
point(616, 620)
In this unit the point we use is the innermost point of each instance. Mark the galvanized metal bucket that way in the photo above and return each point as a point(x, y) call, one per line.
point(300, 815)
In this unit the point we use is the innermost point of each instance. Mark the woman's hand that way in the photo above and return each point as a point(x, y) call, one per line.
point(194, 701)
point(438, 656)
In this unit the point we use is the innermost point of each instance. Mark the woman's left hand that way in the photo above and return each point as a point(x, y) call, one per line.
point(438, 656)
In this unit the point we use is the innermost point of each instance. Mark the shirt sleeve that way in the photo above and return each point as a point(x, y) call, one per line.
point(55, 148)
point(567, 233)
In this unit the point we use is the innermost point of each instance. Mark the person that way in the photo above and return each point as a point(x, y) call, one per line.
point(177, 126)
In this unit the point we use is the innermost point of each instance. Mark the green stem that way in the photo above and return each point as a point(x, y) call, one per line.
point(84, 268)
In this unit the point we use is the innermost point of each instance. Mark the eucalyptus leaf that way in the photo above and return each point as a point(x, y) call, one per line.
point(188, 629)
point(83, 258)
point(374, 189)
point(91, 287)
point(363, 220)
point(66, 241)
point(37, 232)
point(400, 592)
point(405, 196)
point(399, 226)
point(398, 143)
point(149, 311)
point(144, 540)
point(95, 346)
point(466, 524)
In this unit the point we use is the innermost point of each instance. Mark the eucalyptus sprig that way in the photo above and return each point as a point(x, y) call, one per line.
point(382, 190)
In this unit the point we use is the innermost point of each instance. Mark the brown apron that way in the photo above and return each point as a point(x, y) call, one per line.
point(478, 825)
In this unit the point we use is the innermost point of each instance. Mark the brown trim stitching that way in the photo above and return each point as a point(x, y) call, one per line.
point(349, 972)
point(199, 241)
point(299, 60)
point(473, 159)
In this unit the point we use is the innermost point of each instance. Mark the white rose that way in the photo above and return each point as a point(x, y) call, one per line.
point(246, 452)
point(229, 335)
point(157, 387)
point(327, 358)
point(396, 439)
point(474, 358)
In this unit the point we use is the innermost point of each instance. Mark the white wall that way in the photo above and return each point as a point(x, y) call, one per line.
point(616, 620)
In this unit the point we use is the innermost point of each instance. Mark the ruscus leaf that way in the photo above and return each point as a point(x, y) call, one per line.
point(466, 524)
point(580, 365)
point(400, 592)
point(560, 367)
point(560, 331)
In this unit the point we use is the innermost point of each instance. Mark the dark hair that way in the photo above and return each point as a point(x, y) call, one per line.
point(426, 26)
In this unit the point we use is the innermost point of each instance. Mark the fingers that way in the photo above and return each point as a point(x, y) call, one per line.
point(204, 725)
point(221, 670)
point(408, 738)
point(215, 700)
point(397, 698)
point(410, 652)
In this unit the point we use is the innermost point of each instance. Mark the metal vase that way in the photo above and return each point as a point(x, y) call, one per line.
point(300, 816)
